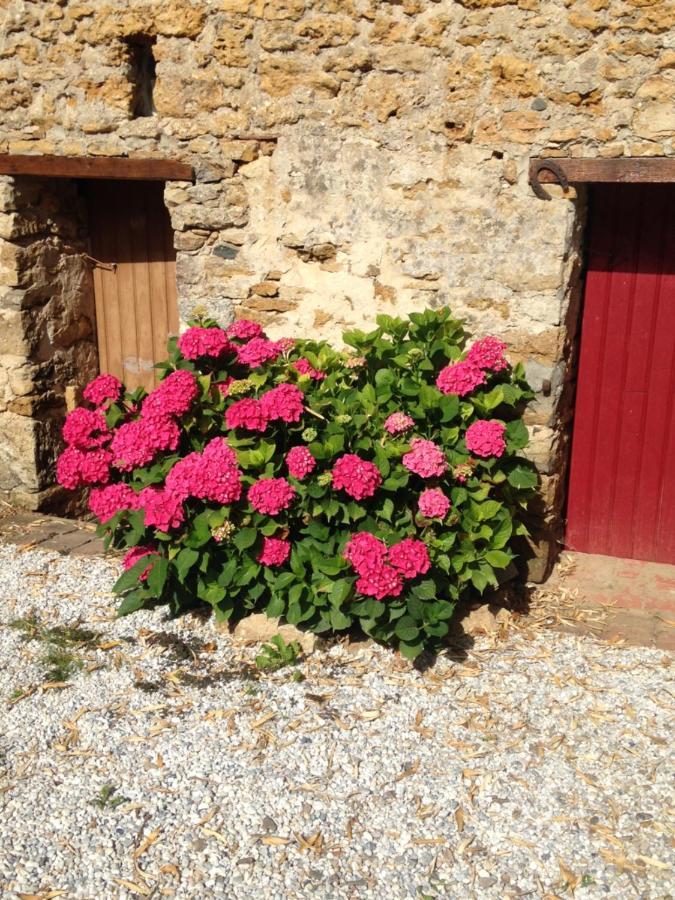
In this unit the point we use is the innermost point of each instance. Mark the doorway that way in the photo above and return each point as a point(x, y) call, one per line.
point(134, 274)
point(621, 498)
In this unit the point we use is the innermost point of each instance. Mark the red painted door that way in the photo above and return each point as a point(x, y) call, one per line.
point(621, 499)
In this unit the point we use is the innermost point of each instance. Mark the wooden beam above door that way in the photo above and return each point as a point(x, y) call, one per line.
point(108, 167)
point(566, 171)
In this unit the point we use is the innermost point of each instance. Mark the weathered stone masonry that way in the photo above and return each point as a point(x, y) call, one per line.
point(389, 173)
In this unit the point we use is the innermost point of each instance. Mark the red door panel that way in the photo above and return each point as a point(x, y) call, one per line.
point(621, 499)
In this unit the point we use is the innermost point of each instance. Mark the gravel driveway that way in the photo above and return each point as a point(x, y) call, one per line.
point(166, 765)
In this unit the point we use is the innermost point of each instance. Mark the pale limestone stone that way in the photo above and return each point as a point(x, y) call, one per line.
point(485, 618)
point(258, 629)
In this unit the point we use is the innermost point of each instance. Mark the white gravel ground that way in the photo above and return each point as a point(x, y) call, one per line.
point(537, 767)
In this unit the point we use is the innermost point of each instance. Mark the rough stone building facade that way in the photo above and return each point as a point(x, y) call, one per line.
point(350, 157)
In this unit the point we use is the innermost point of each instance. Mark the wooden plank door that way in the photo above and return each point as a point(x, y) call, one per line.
point(621, 499)
point(134, 278)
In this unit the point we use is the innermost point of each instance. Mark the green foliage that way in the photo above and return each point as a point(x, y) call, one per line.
point(278, 654)
point(108, 798)
point(214, 556)
point(62, 644)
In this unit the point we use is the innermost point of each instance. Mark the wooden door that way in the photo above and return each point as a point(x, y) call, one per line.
point(134, 278)
point(621, 499)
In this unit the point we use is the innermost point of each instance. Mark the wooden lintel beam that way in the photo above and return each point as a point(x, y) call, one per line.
point(110, 167)
point(580, 171)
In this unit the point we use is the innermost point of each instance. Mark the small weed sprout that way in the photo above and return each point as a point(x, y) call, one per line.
point(278, 654)
point(61, 641)
point(108, 798)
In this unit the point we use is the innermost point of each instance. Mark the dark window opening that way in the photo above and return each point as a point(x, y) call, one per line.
point(141, 74)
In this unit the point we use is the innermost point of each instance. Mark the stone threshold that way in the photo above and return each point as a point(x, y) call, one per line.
point(28, 531)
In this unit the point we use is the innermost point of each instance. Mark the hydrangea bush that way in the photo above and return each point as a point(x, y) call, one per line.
point(375, 486)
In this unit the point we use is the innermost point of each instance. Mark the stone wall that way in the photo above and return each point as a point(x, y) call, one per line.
point(47, 322)
point(355, 156)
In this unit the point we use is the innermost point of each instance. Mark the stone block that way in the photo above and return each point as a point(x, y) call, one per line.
point(258, 629)
point(277, 10)
point(655, 120)
point(18, 453)
point(541, 448)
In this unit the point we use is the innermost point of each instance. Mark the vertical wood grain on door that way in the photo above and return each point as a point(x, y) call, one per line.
point(135, 278)
point(621, 499)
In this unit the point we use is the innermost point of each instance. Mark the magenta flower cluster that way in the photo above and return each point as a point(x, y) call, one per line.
point(433, 504)
point(486, 438)
point(357, 477)
point(282, 403)
point(212, 475)
point(105, 502)
point(462, 378)
point(382, 571)
point(244, 330)
point(259, 351)
point(85, 429)
point(102, 388)
point(271, 495)
point(425, 459)
point(488, 354)
point(397, 423)
point(274, 552)
point(300, 462)
point(197, 342)
point(76, 468)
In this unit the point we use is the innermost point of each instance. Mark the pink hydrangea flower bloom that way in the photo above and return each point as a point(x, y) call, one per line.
point(284, 402)
point(380, 583)
point(247, 413)
point(104, 502)
point(102, 388)
point(410, 557)
point(173, 397)
point(162, 510)
point(271, 495)
point(275, 552)
point(197, 342)
point(212, 475)
point(244, 330)
point(304, 367)
point(258, 351)
point(488, 353)
point(368, 556)
point(425, 459)
point(85, 429)
point(397, 423)
point(75, 468)
point(460, 378)
point(300, 462)
point(136, 554)
point(137, 443)
point(357, 477)
point(364, 551)
point(486, 438)
point(434, 504)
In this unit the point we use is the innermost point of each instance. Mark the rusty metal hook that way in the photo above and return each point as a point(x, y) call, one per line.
point(111, 267)
point(552, 167)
